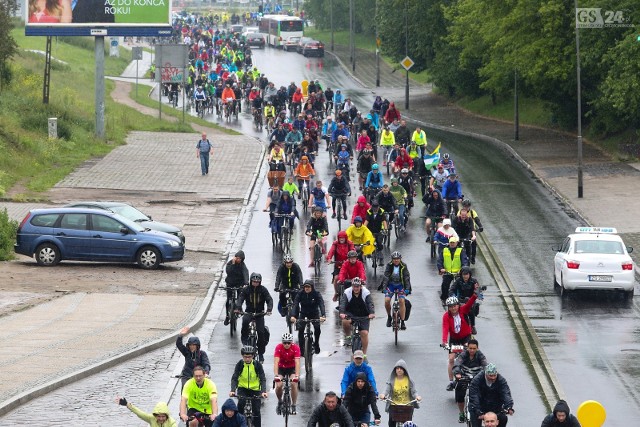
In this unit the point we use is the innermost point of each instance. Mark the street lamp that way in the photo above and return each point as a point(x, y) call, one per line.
point(579, 105)
point(331, 18)
point(406, 53)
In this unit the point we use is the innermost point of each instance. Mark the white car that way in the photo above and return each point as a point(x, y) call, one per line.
point(594, 258)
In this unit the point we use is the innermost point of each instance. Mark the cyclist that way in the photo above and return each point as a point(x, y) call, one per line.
point(452, 192)
point(292, 141)
point(396, 278)
point(193, 356)
point(392, 113)
point(353, 369)
point(387, 202)
point(229, 97)
point(561, 416)
point(273, 199)
point(469, 362)
point(466, 229)
point(256, 296)
point(400, 195)
point(286, 362)
point(363, 140)
point(420, 139)
point(455, 328)
point(489, 392)
point(247, 382)
point(161, 417)
point(339, 189)
point(319, 197)
point(376, 222)
point(356, 301)
point(438, 178)
point(237, 277)
point(406, 181)
point(277, 158)
point(330, 413)
point(288, 279)
point(229, 416)
point(403, 134)
point(450, 260)
point(343, 156)
point(462, 288)
point(317, 224)
point(304, 171)
point(199, 395)
point(300, 123)
point(269, 112)
point(291, 187)
point(444, 233)
point(364, 166)
point(403, 160)
point(387, 141)
point(310, 304)
point(350, 270)
point(328, 128)
point(360, 208)
point(466, 204)
point(447, 163)
point(361, 237)
point(200, 97)
point(338, 100)
point(285, 206)
point(279, 134)
point(435, 212)
point(400, 388)
point(296, 101)
point(360, 395)
point(338, 251)
point(375, 180)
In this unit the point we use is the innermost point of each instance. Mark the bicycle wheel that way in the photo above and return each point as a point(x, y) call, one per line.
point(396, 225)
point(433, 249)
point(356, 343)
point(308, 354)
point(232, 320)
point(339, 214)
point(317, 256)
point(396, 324)
point(374, 262)
point(286, 240)
point(274, 239)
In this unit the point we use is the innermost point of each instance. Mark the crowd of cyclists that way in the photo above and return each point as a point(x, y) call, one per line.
point(366, 150)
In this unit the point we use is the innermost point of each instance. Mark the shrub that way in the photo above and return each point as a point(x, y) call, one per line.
point(8, 230)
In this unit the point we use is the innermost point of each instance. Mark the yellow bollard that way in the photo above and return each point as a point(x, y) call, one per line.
point(591, 414)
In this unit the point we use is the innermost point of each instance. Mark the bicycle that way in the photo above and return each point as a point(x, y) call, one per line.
point(463, 382)
point(432, 236)
point(252, 336)
point(452, 208)
point(201, 417)
point(286, 408)
point(395, 316)
point(376, 255)
point(400, 413)
point(289, 309)
point(200, 108)
point(305, 196)
point(231, 311)
point(356, 339)
point(281, 236)
point(248, 407)
point(339, 212)
point(309, 343)
point(257, 118)
point(317, 252)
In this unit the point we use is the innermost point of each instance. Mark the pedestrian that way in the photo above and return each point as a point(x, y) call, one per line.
point(159, 418)
point(203, 150)
point(561, 416)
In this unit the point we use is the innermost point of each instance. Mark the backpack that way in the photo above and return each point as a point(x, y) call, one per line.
point(407, 309)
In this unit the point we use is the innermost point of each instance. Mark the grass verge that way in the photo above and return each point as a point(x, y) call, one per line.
point(31, 163)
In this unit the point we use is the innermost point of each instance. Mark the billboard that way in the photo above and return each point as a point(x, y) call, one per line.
point(78, 17)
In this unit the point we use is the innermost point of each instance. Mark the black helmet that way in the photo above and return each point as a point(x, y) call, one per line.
point(352, 254)
point(257, 277)
point(466, 203)
point(247, 349)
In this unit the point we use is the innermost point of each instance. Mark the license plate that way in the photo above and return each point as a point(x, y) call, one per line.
point(600, 278)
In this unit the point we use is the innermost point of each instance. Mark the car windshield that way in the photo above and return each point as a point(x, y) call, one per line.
point(129, 212)
point(599, 247)
point(132, 225)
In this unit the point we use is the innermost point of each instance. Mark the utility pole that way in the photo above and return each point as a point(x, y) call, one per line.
point(406, 53)
point(331, 18)
point(580, 192)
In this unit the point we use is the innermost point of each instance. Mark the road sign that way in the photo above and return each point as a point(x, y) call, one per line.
point(136, 52)
point(407, 63)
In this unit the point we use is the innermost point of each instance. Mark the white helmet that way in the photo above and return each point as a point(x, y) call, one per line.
point(452, 301)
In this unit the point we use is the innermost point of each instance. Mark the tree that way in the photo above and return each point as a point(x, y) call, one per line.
point(8, 46)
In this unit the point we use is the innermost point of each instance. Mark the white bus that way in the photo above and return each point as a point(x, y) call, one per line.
point(280, 27)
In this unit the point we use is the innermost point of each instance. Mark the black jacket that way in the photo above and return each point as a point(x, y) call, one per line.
point(358, 401)
point(461, 289)
point(256, 297)
point(237, 274)
point(308, 305)
point(405, 277)
point(322, 417)
point(483, 398)
point(282, 278)
point(463, 227)
point(191, 360)
point(551, 420)
point(464, 360)
point(339, 186)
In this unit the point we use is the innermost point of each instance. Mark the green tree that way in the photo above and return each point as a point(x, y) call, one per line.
point(8, 46)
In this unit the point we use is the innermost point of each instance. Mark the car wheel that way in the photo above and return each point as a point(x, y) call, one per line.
point(149, 258)
point(47, 254)
point(564, 292)
point(628, 295)
point(555, 281)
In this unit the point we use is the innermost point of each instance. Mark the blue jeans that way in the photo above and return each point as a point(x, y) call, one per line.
point(401, 210)
point(204, 162)
point(361, 418)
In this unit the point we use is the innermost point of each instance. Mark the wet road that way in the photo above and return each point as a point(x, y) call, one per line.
point(589, 339)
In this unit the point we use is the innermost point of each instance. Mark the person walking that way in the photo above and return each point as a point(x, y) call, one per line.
point(203, 150)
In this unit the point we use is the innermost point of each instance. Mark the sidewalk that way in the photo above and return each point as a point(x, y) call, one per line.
point(77, 334)
point(550, 155)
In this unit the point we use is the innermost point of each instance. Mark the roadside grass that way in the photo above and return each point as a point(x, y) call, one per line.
point(531, 111)
point(364, 42)
point(32, 162)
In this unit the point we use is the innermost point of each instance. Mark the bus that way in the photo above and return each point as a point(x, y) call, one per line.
point(280, 27)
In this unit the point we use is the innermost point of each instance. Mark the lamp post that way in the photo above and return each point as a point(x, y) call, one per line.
point(516, 113)
point(377, 48)
point(331, 18)
point(580, 193)
point(406, 53)
point(352, 36)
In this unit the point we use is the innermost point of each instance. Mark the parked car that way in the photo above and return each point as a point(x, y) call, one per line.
point(131, 213)
point(313, 48)
point(255, 39)
point(594, 258)
point(302, 42)
point(81, 234)
point(290, 43)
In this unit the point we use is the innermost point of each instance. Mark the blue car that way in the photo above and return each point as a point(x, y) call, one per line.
point(81, 234)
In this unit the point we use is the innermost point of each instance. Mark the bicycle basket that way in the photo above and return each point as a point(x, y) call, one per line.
point(401, 413)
